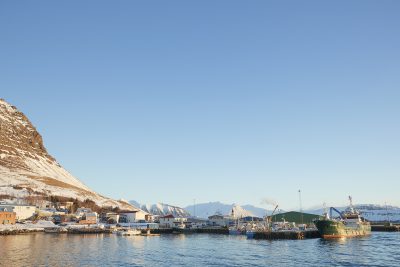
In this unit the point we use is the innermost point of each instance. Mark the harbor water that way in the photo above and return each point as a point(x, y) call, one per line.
point(41, 249)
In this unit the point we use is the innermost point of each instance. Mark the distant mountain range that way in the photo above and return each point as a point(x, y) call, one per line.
point(371, 212)
point(201, 210)
point(204, 210)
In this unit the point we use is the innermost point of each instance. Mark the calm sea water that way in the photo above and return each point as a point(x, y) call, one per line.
point(380, 249)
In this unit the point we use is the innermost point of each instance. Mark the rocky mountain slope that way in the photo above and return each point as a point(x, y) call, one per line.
point(27, 169)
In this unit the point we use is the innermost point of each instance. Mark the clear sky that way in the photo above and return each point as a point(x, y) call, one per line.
point(231, 101)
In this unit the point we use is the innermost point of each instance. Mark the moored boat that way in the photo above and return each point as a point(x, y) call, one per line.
point(236, 231)
point(349, 224)
point(129, 232)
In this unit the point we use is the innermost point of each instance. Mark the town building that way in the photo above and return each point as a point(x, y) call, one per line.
point(7, 217)
point(66, 205)
point(89, 218)
point(22, 212)
point(218, 220)
point(170, 221)
point(82, 211)
point(296, 217)
point(195, 223)
point(135, 216)
point(109, 217)
point(167, 221)
point(50, 212)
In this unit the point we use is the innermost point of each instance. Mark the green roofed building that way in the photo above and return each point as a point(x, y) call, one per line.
point(295, 216)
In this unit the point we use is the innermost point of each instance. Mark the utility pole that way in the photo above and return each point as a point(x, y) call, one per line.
point(387, 213)
point(301, 209)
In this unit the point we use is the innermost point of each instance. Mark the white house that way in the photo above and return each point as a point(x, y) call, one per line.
point(218, 220)
point(111, 217)
point(82, 211)
point(22, 212)
point(135, 216)
point(89, 218)
point(169, 221)
point(49, 212)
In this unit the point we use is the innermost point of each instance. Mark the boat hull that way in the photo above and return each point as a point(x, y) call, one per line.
point(250, 234)
point(337, 229)
point(235, 232)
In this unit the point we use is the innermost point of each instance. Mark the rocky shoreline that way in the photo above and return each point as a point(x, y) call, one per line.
point(20, 231)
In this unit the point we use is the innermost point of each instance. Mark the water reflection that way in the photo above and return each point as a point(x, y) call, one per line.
point(195, 250)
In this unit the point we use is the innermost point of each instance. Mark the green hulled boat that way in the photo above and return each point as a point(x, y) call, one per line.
point(348, 224)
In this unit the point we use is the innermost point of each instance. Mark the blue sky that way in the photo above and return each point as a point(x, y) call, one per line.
point(233, 101)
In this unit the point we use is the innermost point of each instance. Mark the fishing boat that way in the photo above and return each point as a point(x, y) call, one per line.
point(236, 231)
point(237, 228)
point(128, 232)
point(348, 224)
point(179, 226)
point(260, 227)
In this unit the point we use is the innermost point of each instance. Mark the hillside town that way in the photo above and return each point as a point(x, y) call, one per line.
point(66, 216)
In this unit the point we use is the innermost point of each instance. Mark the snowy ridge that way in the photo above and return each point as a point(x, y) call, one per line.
point(204, 210)
point(162, 209)
point(26, 169)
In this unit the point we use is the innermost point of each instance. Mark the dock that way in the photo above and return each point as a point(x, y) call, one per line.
point(223, 231)
point(293, 235)
point(385, 228)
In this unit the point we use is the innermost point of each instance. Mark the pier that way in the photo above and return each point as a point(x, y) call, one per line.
point(385, 228)
point(223, 231)
point(294, 235)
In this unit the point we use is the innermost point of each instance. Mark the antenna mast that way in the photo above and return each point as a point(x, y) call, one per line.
point(301, 209)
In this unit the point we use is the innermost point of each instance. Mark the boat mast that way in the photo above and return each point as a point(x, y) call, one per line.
point(387, 213)
point(301, 209)
point(351, 204)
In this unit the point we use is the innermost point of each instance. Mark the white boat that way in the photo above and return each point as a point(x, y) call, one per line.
point(180, 226)
point(237, 228)
point(129, 232)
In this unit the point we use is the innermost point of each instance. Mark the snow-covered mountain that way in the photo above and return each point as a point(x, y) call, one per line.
point(26, 169)
point(371, 212)
point(204, 210)
point(162, 209)
point(257, 211)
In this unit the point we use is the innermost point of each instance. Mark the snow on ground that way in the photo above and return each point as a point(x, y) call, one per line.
point(39, 226)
